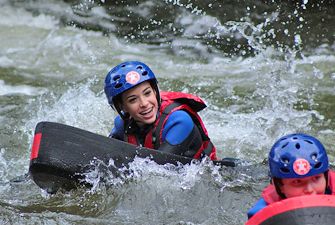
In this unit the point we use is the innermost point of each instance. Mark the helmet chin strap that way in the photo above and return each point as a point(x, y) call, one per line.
point(124, 115)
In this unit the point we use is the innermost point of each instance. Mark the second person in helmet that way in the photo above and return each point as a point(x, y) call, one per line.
point(166, 121)
point(298, 166)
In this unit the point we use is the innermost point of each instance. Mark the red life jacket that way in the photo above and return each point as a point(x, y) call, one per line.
point(270, 194)
point(171, 102)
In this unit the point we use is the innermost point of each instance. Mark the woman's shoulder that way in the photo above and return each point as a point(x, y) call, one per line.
point(180, 116)
point(260, 204)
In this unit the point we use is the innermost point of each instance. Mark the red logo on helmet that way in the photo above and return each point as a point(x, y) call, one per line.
point(301, 166)
point(132, 77)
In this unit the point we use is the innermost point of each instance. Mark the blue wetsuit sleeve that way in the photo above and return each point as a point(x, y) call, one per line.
point(118, 129)
point(177, 128)
point(260, 204)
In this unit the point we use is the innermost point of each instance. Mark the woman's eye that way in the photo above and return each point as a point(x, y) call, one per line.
point(147, 93)
point(316, 178)
point(132, 100)
point(296, 182)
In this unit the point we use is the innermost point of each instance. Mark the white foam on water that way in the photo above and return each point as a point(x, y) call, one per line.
point(79, 106)
point(5, 61)
point(6, 89)
point(249, 126)
point(263, 90)
point(196, 25)
point(11, 16)
point(183, 177)
point(177, 177)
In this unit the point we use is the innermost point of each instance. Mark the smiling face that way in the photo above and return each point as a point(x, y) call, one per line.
point(141, 103)
point(313, 185)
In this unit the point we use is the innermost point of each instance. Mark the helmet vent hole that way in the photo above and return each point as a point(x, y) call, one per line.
point(285, 160)
point(284, 145)
point(118, 85)
point(117, 77)
point(145, 73)
point(284, 170)
point(313, 156)
point(318, 165)
point(297, 146)
point(123, 65)
point(308, 141)
point(295, 138)
point(139, 67)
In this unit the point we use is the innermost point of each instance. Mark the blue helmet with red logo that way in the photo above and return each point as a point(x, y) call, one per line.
point(297, 156)
point(124, 77)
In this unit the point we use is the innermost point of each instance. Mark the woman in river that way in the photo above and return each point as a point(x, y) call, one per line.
point(166, 121)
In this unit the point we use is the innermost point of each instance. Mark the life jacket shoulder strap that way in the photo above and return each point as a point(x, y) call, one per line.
point(156, 134)
point(195, 102)
point(207, 147)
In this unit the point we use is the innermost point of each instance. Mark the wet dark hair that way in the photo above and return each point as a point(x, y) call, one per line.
point(277, 182)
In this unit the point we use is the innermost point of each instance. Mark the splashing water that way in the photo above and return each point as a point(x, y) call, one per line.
point(264, 70)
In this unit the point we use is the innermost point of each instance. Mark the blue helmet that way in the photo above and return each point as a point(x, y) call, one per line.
point(124, 77)
point(297, 156)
